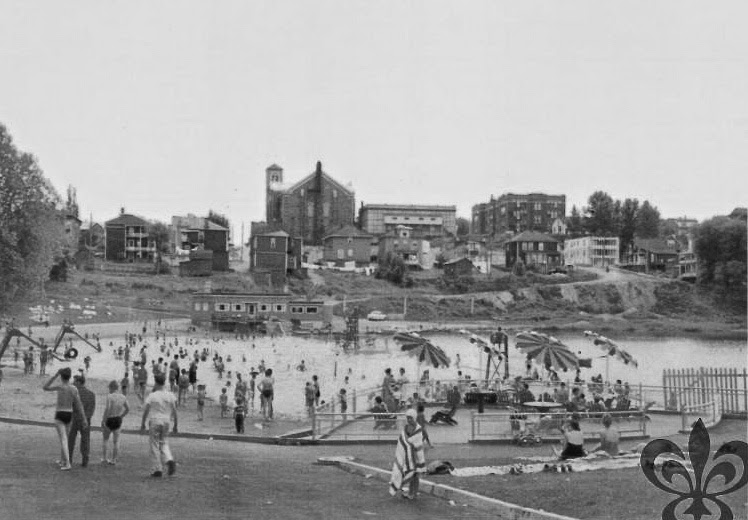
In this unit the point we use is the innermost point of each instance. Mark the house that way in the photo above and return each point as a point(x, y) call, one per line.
point(91, 236)
point(416, 252)
point(688, 262)
point(459, 267)
point(310, 208)
point(272, 255)
point(348, 244)
point(592, 251)
point(651, 254)
point(127, 238)
point(197, 233)
point(516, 213)
point(424, 221)
point(532, 248)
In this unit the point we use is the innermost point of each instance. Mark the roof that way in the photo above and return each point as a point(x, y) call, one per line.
point(274, 234)
point(325, 176)
point(457, 261)
point(126, 219)
point(274, 167)
point(532, 236)
point(656, 245)
point(411, 207)
point(348, 231)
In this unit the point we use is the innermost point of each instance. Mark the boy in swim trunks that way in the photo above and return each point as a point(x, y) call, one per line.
point(111, 422)
point(67, 400)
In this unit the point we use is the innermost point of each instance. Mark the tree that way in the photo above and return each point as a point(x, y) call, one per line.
point(160, 234)
point(629, 210)
point(30, 230)
point(575, 225)
point(647, 221)
point(392, 268)
point(463, 227)
point(720, 245)
point(218, 218)
point(71, 205)
point(600, 218)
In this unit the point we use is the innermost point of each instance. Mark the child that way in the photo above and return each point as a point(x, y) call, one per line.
point(421, 419)
point(111, 421)
point(309, 398)
point(184, 385)
point(343, 402)
point(125, 383)
point(200, 401)
point(239, 411)
point(224, 401)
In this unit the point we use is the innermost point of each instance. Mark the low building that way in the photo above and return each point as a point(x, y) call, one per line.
point(592, 251)
point(416, 252)
point(459, 267)
point(533, 249)
point(127, 238)
point(189, 233)
point(200, 263)
point(347, 244)
point(91, 236)
point(253, 311)
point(423, 220)
point(651, 254)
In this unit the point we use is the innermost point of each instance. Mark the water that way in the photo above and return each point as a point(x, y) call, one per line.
point(366, 369)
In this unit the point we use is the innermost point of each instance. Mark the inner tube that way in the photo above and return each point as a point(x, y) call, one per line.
point(71, 353)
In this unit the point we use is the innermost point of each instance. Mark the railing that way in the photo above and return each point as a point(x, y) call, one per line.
point(709, 412)
point(369, 426)
point(508, 425)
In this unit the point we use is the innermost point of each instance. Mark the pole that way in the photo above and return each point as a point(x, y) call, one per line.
point(405, 306)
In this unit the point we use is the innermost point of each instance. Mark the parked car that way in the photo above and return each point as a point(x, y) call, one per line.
point(376, 316)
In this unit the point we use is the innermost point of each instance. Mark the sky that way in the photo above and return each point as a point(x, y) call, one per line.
point(174, 107)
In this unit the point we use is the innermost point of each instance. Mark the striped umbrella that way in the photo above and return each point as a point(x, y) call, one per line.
point(546, 350)
point(611, 348)
point(423, 349)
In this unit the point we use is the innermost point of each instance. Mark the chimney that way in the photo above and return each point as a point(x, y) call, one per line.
point(122, 211)
point(319, 167)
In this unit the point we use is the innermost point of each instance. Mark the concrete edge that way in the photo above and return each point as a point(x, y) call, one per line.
point(494, 506)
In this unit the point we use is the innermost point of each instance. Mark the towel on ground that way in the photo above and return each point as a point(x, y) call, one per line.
point(409, 460)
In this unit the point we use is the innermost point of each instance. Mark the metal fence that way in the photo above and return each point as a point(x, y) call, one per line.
point(511, 425)
point(358, 426)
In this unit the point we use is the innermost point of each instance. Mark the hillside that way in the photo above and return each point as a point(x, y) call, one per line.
point(618, 299)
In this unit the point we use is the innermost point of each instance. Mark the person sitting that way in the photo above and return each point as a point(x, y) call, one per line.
point(525, 395)
point(609, 437)
point(447, 416)
point(573, 441)
point(382, 421)
point(561, 394)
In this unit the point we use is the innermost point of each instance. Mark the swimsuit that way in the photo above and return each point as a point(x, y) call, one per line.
point(64, 417)
point(113, 423)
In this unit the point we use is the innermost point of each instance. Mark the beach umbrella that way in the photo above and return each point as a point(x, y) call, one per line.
point(422, 349)
point(546, 350)
point(611, 348)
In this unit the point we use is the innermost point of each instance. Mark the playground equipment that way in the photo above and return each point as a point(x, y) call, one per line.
point(67, 328)
point(495, 355)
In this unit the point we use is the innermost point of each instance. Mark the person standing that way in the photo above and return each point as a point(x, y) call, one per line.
point(88, 399)
point(410, 460)
point(317, 393)
point(67, 400)
point(388, 390)
point(267, 393)
point(111, 422)
point(160, 410)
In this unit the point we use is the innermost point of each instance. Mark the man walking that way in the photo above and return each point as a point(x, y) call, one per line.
point(160, 409)
point(88, 399)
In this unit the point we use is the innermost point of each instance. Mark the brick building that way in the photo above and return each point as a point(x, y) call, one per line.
point(533, 249)
point(424, 221)
point(517, 213)
point(272, 255)
point(310, 208)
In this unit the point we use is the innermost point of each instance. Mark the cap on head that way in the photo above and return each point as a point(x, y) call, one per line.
point(411, 413)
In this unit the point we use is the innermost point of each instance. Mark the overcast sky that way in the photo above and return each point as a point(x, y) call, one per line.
point(174, 107)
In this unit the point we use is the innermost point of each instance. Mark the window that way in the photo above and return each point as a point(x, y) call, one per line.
point(350, 240)
point(524, 246)
point(250, 308)
point(310, 209)
point(301, 192)
point(279, 307)
point(350, 253)
point(206, 306)
point(221, 307)
point(311, 310)
point(334, 194)
point(537, 219)
point(340, 254)
point(538, 206)
point(272, 243)
point(326, 209)
point(238, 307)
point(297, 310)
point(540, 246)
point(197, 306)
point(264, 307)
